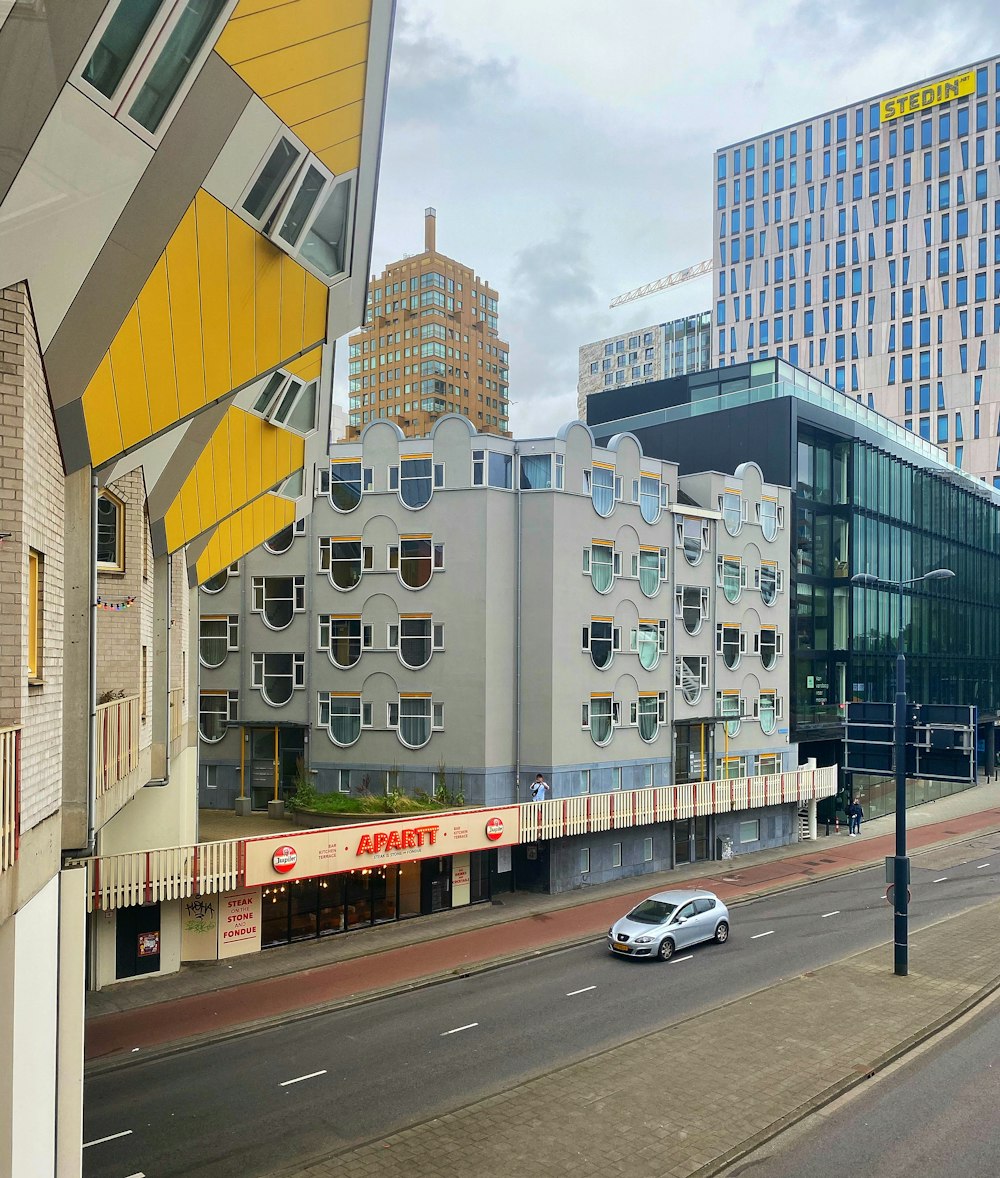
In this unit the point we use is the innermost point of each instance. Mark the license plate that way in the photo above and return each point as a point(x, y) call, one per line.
point(621, 948)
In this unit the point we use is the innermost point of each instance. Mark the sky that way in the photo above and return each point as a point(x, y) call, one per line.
point(567, 144)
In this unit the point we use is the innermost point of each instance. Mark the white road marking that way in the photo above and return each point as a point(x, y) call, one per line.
point(299, 1079)
point(940, 879)
point(981, 866)
point(101, 1140)
point(759, 935)
point(836, 912)
point(455, 1030)
point(137, 1174)
point(688, 958)
point(573, 993)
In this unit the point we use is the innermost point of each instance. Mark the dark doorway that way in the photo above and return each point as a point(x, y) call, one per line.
point(137, 940)
point(531, 867)
point(269, 748)
point(435, 885)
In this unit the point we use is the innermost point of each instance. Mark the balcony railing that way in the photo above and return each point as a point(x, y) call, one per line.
point(117, 749)
point(172, 873)
point(10, 796)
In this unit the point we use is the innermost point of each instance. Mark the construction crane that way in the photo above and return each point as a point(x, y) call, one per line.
point(674, 279)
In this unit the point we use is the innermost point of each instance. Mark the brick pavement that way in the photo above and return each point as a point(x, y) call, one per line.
point(698, 1095)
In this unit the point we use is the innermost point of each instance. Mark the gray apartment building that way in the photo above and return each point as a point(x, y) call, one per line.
point(644, 354)
point(863, 245)
point(471, 609)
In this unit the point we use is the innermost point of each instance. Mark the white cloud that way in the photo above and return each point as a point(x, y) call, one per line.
point(567, 144)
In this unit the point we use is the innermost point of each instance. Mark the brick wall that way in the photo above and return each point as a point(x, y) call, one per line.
point(31, 509)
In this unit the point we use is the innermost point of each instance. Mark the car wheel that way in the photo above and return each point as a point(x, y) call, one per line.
point(666, 949)
point(722, 932)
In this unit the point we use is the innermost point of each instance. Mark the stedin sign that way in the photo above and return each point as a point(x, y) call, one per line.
point(373, 844)
point(932, 94)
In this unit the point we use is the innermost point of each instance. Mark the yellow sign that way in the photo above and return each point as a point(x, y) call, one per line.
point(937, 92)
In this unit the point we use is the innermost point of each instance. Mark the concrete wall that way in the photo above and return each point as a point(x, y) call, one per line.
point(565, 873)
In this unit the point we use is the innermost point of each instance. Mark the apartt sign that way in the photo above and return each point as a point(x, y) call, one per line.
point(930, 95)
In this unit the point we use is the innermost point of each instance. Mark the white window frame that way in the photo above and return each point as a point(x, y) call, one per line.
point(232, 710)
point(743, 513)
point(142, 64)
point(647, 849)
point(679, 532)
point(323, 627)
point(723, 560)
point(281, 191)
point(232, 635)
point(679, 666)
point(258, 598)
point(749, 831)
point(703, 606)
point(118, 564)
point(758, 645)
point(779, 513)
point(616, 854)
point(330, 184)
point(720, 642)
point(325, 562)
point(779, 581)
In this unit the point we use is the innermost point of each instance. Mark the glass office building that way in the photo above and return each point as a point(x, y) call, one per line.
point(863, 245)
point(869, 497)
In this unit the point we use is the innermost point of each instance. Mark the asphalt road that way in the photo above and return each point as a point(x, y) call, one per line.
point(935, 1116)
point(251, 1104)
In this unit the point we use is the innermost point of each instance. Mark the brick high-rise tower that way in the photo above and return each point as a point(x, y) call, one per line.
point(429, 346)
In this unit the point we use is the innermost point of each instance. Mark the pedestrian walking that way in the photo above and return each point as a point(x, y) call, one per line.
point(539, 789)
point(855, 814)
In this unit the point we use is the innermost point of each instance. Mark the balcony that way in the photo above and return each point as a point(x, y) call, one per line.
point(117, 756)
point(10, 796)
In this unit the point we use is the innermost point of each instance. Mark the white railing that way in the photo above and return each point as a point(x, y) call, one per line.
point(584, 814)
point(173, 873)
point(117, 750)
point(10, 796)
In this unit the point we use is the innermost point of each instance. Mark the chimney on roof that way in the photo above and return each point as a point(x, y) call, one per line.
point(430, 230)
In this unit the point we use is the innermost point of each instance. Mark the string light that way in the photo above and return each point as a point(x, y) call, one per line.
point(124, 603)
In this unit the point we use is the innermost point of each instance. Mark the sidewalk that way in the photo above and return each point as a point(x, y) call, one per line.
point(219, 998)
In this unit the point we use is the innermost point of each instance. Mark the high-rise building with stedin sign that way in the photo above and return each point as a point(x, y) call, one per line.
point(863, 245)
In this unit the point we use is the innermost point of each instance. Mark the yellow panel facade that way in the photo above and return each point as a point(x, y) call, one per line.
point(221, 307)
point(245, 458)
point(315, 98)
point(245, 530)
point(307, 367)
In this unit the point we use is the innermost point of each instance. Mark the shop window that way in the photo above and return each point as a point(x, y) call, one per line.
point(768, 644)
point(216, 709)
point(277, 676)
point(218, 634)
point(110, 533)
point(730, 642)
point(343, 715)
point(691, 676)
point(692, 538)
point(602, 564)
point(415, 559)
point(730, 577)
point(278, 599)
point(344, 560)
point(649, 567)
point(145, 55)
point(729, 707)
point(415, 480)
point(602, 638)
point(691, 606)
point(770, 517)
point(734, 509)
point(344, 637)
point(649, 641)
point(415, 638)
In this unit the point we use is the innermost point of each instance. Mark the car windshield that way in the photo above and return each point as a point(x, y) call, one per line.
point(651, 912)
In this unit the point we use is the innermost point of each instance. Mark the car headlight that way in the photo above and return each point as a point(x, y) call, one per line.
point(643, 940)
point(611, 931)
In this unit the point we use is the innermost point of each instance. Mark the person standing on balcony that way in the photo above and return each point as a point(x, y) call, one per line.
point(539, 789)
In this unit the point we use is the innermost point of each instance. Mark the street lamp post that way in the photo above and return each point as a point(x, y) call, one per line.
point(901, 861)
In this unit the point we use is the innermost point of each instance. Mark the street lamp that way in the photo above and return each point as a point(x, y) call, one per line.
point(901, 864)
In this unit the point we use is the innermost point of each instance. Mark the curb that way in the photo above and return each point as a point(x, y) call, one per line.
point(841, 1087)
point(102, 1065)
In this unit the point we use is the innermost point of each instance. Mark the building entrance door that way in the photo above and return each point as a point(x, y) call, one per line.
point(272, 748)
point(137, 940)
point(701, 843)
point(691, 840)
point(682, 842)
point(435, 885)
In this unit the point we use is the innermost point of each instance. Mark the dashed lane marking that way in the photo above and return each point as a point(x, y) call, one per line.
point(688, 958)
point(758, 936)
point(112, 1137)
point(836, 912)
point(299, 1079)
point(455, 1030)
point(940, 879)
point(573, 993)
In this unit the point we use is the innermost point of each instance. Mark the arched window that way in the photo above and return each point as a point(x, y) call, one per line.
point(216, 709)
point(769, 518)
point(692, 538)
point(649, 565)
point(217, 636)
point(769, 582)
point(416, 559)
point(691, 606)
point(651, 496)
point(648, 641)
point(603, 564)
point(110, 532)
point(343, 716)
point(345, 485)
point(731, 503)
point(730, 577)
point(729, 707)
point(415, 479)
point(281, 541)
point(344, 559)
point(650, 713)
point(602, 639)
point(277, 676)
point(729, 643)
point(278, 599)
point(344, 640)
point(415, 639)
point(598, 716)
point(767, 711)
point(602, 489)
point(415, 717)
point(768, 646)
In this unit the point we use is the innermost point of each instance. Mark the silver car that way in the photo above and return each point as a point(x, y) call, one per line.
point(669, 921)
